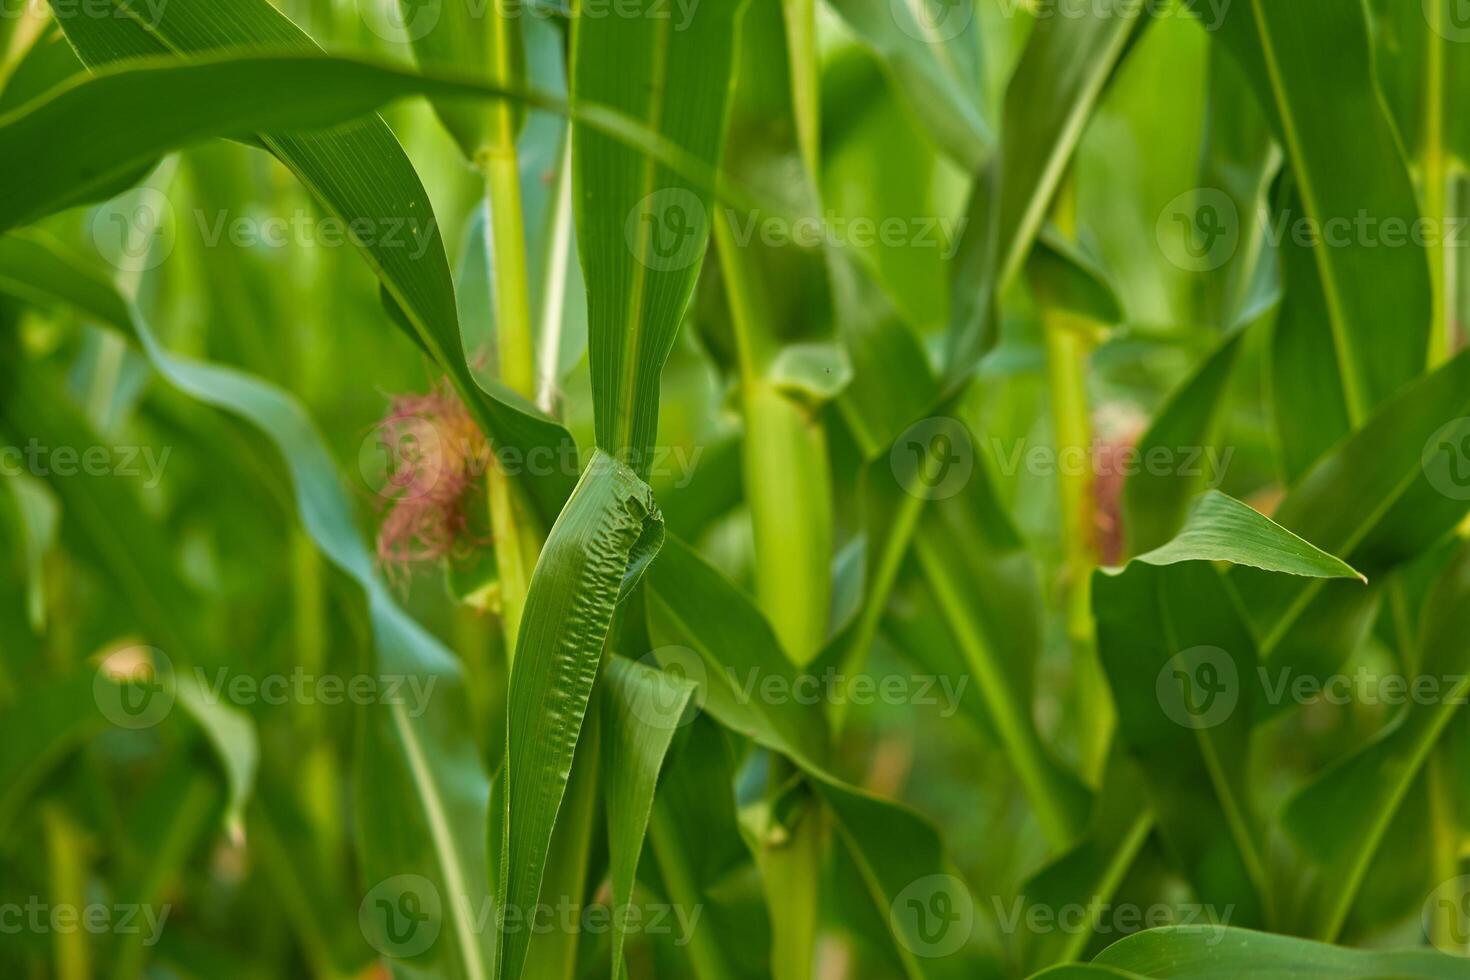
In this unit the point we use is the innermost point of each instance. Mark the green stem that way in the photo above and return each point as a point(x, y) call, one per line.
point(1059, 806)
point(884, 575)
point(806, 99)
point(1066, 371)
point(786, 475)
point(1111, 881)
point(1436, 179)
point(506, 241)
point(66, 861)
point(1445, 931)
point(515, 551)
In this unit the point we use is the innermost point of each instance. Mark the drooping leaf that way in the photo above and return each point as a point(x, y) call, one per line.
point(1181, 662)
point(1221, 528)
point(594, 555)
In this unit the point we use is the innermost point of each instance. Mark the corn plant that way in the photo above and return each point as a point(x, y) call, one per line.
point(734, 488)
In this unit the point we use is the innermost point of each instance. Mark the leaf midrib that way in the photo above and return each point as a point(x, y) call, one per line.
point(1352, 384)
point(623, 433)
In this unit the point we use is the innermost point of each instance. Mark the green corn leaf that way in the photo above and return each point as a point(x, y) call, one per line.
point(717, 638)
point(1341, 819)
point(594, 555)
point(642, 709)
point(1201, 952)
point(1221, 528)
point(231, 732)
point(703, 861)
point(642, 229)
point(1308, 404)
point(935, 67)
point(1181, 662)
point(1062, 72)
point(686, 600)
point(1380, 497)
point(1155, 505)
point(1312, 66)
